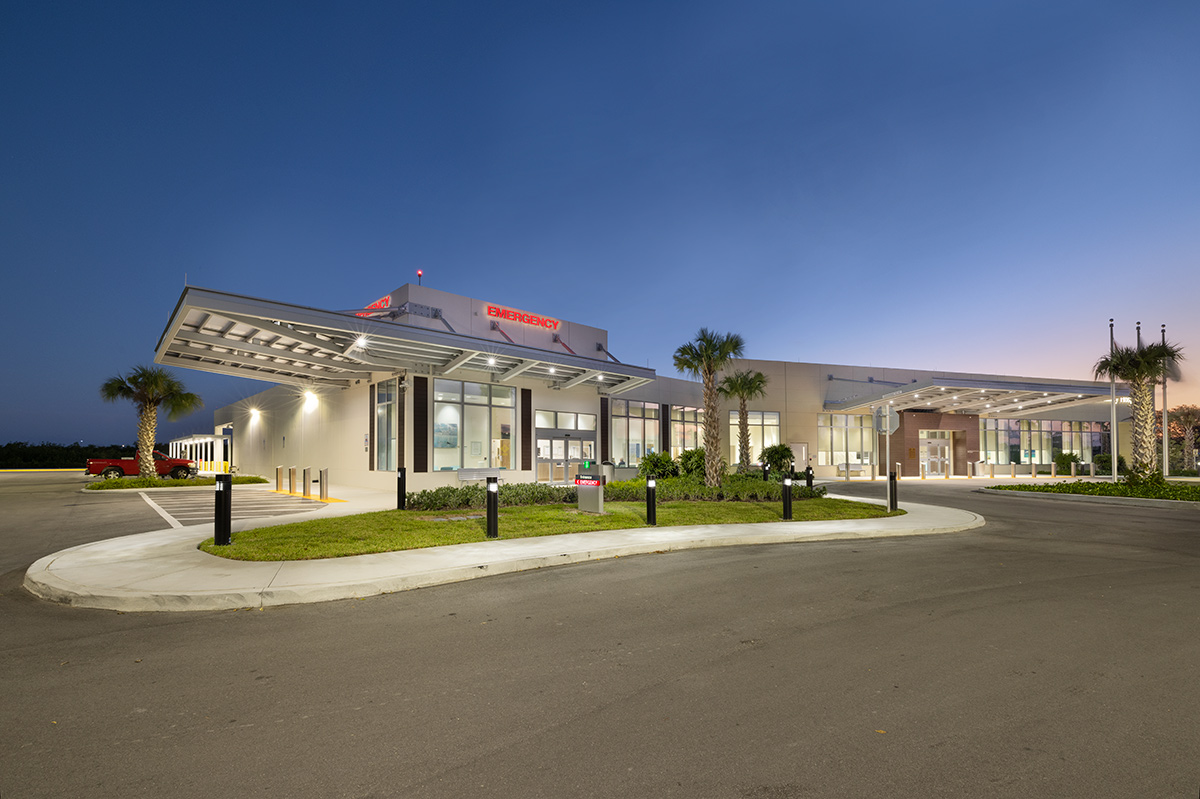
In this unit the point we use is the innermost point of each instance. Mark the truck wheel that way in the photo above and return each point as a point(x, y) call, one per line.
point(179, 473)
point(112, 473)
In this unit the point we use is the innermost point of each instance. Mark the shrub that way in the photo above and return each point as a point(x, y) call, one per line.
point(1104, 464)
point(658, 465)
point(779, 457)
point(735, 488)
point(691, 462)
point(475, 496)
point(1063, 461)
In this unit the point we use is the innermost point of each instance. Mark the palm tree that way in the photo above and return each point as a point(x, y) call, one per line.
point(744, 385)
point(1183, 421)
point(703, 357)
point(148, 387)
point(1141, 367)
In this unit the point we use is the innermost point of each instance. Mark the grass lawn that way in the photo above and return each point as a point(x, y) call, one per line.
point(391, 530)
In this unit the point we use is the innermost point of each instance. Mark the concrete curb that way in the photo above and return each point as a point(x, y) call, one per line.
point(1176, 504)
point(164, 571)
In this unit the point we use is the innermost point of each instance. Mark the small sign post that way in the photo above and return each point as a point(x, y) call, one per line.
point(590, 488)
point(887, 421)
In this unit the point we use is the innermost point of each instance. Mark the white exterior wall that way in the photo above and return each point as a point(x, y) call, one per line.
point(332, 434)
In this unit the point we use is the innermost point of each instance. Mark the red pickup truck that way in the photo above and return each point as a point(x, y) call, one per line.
point(110, 468)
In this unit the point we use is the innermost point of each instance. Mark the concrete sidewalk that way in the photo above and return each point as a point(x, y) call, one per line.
point(163, 570)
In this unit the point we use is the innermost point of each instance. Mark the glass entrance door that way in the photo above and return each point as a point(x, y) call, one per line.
point(560, 457)
point(937, 448)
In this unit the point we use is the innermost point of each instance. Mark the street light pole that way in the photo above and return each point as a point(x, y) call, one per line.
point(1112, 392)
point(1166, 445)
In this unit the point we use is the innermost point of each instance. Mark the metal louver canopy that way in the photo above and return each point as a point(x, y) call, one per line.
point(290, 344)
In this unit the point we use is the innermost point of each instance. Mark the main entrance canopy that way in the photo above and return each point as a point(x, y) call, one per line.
point(225, 333)
point(1010, 398)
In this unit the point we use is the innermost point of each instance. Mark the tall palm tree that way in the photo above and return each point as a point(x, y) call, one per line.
point(1141, 367)
point(148, 387)
point(1183, 421)
point(744, 385)
point(703, 357)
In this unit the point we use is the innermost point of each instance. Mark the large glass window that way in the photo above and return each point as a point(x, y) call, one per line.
point(845, 439)
point(472, 425)
point(687, 428)
point(764, 432)
point(386, 400)
point(1004, 441)
point(634, 431)
point(563, 420)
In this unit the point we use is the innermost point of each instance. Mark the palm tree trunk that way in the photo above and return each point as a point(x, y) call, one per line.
point(1141, 395)
point(712, 432)
point(147, 427)
point(743, 437)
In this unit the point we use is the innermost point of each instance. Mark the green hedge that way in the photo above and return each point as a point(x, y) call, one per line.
point(734, 489)
point(1148, 489)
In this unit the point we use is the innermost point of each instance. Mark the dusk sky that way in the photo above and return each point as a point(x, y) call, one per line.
point(965, 186)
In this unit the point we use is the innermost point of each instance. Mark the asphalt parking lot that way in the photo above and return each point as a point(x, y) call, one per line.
point(1052, 652)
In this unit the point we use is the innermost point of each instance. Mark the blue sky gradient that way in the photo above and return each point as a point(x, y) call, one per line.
point(935, 185)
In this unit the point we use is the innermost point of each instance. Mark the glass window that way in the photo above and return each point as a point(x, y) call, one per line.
point(447, 421)
point(385, 426)
point(566, 421)
point(843, 438)
point(447, 390)
point(764, 432)
point(544, 419)
point(587, 421)
point(620, 440)
point(472, 425)
point(687, 430)
point(505, 396)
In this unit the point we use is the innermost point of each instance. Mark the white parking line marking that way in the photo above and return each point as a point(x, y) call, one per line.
point(170, 519)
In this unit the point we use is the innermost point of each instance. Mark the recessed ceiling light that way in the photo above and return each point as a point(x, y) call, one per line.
point(361, 343)
point(491, 361)
point(551, 370)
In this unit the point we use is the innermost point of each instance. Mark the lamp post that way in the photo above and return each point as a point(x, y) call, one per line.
point(1166, 425)
point(1112, 393)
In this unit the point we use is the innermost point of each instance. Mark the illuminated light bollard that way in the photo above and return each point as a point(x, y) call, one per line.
point(223, 516)
point(493, 507)
point(787, 499)
point(651, 502)
point(401, 488)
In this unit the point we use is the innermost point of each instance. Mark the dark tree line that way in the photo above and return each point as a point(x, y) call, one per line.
point(22, 455)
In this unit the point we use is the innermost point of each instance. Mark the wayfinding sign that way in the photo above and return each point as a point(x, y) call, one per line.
point(886, 420)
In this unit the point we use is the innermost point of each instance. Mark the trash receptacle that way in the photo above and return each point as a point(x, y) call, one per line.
point(607, 471)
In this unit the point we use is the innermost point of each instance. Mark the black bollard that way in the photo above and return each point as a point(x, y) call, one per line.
point(893, 502)
point(222, 520)
point(401, 488)
point(808, 474)
point(493, 507)
point(651, 504)
point(766, 468)
point(787, 499)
